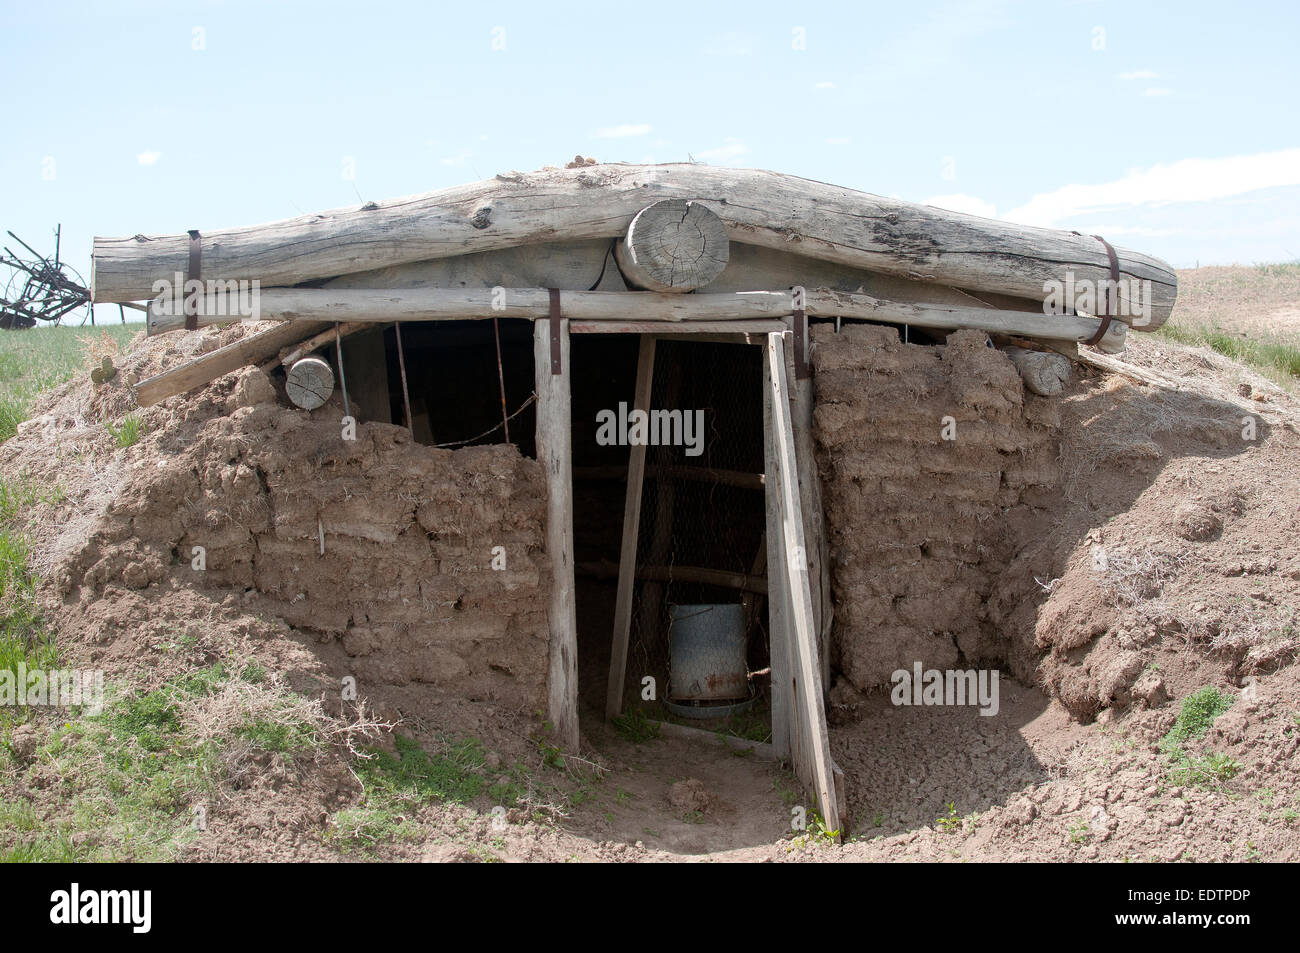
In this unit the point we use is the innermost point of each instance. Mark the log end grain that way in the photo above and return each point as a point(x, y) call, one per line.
point(673, 246)
point(310, 382)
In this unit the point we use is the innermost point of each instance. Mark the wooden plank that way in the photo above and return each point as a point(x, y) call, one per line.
point(365, 364)
point(557, 264)
point(747, 481)
point(762, 208)
point(1114, 365)
point(777, 613)
point(605, 569)
point(296, 352)
point(636, 311)
point(725, 332)
point(761, 749)
point(658, 550)
point(645, 366)
point(249, 349)
point(810, 502)
point(386, 305)
point(574, 266)
point(554, 452)
point(813, 764)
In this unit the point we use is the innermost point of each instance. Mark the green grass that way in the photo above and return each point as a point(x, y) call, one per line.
point(38, 359)
point(1209, 770)
point(1195, 716)
point(635, 726)
point(24, 638)
point(399, 782)
point(129, 433)
point(128, 781)
point(1275, 358)
point(16, 496)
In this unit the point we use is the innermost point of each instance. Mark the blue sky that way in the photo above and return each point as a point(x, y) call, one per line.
point(1167, 127)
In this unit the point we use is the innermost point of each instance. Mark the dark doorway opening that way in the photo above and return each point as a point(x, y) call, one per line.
point(455, 386)
point(701, 540)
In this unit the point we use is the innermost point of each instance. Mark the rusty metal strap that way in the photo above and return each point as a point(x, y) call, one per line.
point(1103, 300)
point(802, 370)
point(556, 363)
point(193, 273)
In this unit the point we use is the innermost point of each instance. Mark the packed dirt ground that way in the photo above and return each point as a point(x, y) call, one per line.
point(1149, 709)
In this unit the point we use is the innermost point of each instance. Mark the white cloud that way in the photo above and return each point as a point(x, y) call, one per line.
point(958, 202)
point(148, 158)
point(733, 149)
point(1157, 91)
point(824, 84)
point(1187, 180)
point(1140, 74)
point(459, 159)
point(624, 131)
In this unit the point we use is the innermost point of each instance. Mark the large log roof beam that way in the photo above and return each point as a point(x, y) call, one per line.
point(839, 225)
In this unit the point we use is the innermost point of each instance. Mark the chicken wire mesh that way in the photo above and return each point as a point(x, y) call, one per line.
point(698, 602)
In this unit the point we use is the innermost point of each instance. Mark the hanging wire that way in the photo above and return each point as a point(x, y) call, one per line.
point(501, 378)
point(460, 443)
point(401, 363)
point(343, 381)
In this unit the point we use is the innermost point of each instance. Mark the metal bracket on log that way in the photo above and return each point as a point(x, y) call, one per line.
point(1110, 300)
point(802, 370)
point(196, 260)
point(557, 365)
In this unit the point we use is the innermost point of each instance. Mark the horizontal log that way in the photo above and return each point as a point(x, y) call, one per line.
point(202, 370)
point(817, 220)
point(720, 331)
point(604, 569)
point(300, 350)
point(747, 481)
point(384, 306)
point(1113, 365)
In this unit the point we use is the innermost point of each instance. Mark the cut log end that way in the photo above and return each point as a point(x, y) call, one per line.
point(1044, 372)
point(310, 383)
point(673, 246)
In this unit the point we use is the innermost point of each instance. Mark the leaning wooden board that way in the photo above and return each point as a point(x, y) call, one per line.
point(199, 371)
point(796, 670)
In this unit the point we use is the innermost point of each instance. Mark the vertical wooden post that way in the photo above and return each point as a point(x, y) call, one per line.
point(554, 452)
point(659, 549)
point(814, 518)
point(777, 615)
point(810, 744)
point(365, 363)
point(645, 367)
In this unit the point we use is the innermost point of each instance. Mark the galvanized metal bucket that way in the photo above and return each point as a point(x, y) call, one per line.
point(706, 653)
